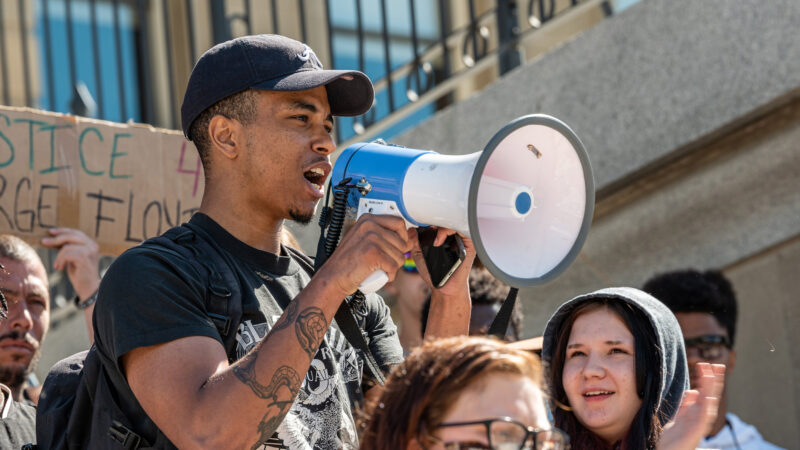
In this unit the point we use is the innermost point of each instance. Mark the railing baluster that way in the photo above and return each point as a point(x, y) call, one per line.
point(248, 10)
point(415, 44)
point(274, 17)
point(190, 24)
point(48, 49)
point(219, 22)
point(474, 30)
point(98, 76)
point(170, 69)
point(73, 77)
point(123, 110)
point(148, 116)
point(360, 34)
point(444, 32)
point(336, 124)
point(507, 31)
point(3, 62)
point(385, 24)
point(368, 117)
point(26, 64)
point(302, 13)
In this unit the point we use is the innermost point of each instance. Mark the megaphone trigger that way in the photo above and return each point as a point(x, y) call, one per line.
point(373, 282)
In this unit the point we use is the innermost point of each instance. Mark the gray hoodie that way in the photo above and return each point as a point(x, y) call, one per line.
point(674, 374)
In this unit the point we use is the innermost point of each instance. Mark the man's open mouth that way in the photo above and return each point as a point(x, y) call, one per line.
point(316, 177)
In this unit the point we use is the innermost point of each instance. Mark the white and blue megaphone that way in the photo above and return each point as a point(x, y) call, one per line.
point(526, 200)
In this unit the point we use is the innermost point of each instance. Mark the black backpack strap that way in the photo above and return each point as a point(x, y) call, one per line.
point(348, 325)
point(223, 295)
point(500, 322)
point(224, 298)
point(358, 339)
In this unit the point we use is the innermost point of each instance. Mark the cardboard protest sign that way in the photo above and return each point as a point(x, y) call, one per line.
point(118, 183)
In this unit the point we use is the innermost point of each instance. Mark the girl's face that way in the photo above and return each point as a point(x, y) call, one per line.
point(599, 374)
point(495, 396)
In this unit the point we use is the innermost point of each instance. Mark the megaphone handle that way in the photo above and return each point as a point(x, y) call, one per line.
point(373, 282)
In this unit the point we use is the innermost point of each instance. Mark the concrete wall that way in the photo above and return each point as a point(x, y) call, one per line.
point(764, 386)
point(690, 111)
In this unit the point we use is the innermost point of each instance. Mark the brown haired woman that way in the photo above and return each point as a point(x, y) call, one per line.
point(463, 393)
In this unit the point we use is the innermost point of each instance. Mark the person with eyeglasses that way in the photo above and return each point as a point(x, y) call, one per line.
point(705, 305)
point(618, 374)
point(463, 393)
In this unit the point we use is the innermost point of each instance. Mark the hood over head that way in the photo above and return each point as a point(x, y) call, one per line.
point(674, 378)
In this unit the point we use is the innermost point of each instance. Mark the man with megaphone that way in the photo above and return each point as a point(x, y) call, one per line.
point(259, 110)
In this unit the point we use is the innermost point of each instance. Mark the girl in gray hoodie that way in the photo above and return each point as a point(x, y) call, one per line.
point(616, 367)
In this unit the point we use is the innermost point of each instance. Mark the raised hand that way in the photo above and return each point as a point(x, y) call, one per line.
point(78, 256)
point(697, 412)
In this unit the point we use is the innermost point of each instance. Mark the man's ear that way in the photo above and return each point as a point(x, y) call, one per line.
point(226, 135)
point(732, 359)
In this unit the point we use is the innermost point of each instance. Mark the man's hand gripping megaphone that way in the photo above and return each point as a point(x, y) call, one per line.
point(373, 250)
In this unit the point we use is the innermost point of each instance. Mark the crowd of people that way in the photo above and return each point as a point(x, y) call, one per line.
point(220, 334)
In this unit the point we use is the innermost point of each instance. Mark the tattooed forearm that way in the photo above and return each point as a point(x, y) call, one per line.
point(310, 328)
point(288, 317)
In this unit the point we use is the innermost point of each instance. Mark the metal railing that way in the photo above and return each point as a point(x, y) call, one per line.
point(130, 59)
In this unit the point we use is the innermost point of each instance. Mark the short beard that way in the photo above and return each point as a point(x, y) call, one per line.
point(302, 219)
point(16, 376)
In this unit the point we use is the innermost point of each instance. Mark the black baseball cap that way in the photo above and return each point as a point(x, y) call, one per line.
point(274, 63)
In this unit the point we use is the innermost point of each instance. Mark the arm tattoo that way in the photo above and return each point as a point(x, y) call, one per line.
point(281, 399)
point(288, 317)
point(310, 328)
point(284, 376)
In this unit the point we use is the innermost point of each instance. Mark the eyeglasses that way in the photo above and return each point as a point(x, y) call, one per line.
point(709, 347)
point(409, 265)
point(504, 433)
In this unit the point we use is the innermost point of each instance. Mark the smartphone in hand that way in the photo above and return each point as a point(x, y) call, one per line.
point(441, 261)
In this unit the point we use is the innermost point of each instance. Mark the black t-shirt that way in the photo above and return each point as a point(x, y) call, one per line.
point(17, 422)
point(147, 299)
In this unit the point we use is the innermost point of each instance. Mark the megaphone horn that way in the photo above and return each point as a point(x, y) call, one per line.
point(526, 200)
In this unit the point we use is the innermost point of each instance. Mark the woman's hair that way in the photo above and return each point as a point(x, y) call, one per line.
point(646, 427)
point(420, 391)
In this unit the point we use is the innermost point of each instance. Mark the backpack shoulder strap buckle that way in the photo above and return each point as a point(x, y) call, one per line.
point(123, 435)
point(223, 323)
